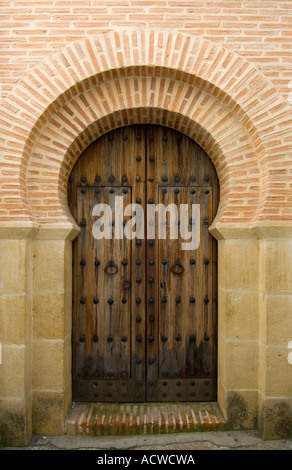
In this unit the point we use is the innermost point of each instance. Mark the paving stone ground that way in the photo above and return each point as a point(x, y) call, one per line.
point(211, 440)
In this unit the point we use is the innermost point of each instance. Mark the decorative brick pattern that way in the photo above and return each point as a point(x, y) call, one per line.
point(260, 31)
point(100, 83)
point(209, 113)
point(159, 418)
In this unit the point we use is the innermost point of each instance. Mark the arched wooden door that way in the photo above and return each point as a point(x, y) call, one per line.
point(144, 310)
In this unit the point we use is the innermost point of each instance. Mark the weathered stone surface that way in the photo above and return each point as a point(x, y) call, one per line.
point(275, 419)
point(50, 410)
point(15, 422)
point(242, 410)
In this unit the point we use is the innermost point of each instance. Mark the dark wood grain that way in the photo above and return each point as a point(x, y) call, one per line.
point(154, 342)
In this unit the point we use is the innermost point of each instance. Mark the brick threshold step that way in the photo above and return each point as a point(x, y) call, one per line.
point(99, 419)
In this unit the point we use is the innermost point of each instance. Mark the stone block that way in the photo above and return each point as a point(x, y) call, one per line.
point(15, 422)
point(238, 264)
point(222, 358)
point(51, 365)
point(275, 419)
point(275, 372)
point(242, 409)
point(13, 319)
point(278, 262)
point(241, 364)
point(221, 397)
point(68, 264)
point(49, 315)
point(14, 375)
point(50, 409)
point(238, 314)
point(48, 265)
point(13, 266)
point(276, 319)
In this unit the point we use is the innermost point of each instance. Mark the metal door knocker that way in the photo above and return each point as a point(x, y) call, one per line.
point(177, 267)
point(111, 268)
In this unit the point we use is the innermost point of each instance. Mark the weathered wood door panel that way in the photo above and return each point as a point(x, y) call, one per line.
point(185, 290)
point(144, 310)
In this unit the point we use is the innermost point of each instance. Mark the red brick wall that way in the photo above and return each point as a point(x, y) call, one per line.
point(259, 30)
point(72, 70)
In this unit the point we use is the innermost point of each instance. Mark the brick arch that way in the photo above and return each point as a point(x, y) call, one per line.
point(213, 127)
point(63, 93)
point(149, 115)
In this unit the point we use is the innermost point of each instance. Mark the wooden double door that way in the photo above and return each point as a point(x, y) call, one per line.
point(144, 309)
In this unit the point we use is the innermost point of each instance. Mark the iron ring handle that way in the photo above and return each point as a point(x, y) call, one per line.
point(177, 267)
point(111, 268)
